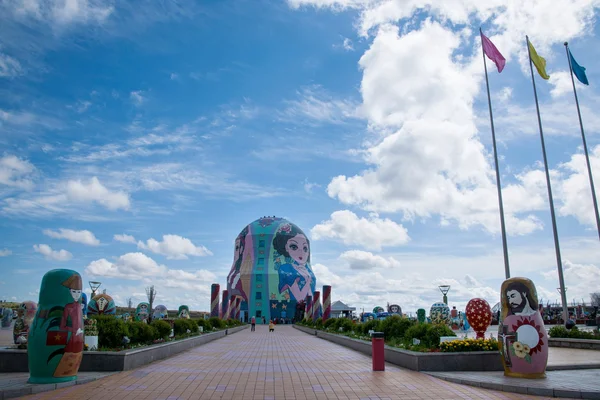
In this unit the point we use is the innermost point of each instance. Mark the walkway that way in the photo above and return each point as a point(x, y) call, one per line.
point(286, 364)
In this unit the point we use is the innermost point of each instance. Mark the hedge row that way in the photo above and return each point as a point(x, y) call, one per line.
point(112, 330)
point(397, 330)
point(574, 333)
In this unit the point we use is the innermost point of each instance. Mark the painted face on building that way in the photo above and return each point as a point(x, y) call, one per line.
point(514, 298)
point(297, 247)
point(76, 293)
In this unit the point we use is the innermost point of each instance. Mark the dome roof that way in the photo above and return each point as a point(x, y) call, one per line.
point(266, 225)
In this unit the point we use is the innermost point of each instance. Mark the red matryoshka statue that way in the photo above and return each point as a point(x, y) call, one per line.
point(479, 316)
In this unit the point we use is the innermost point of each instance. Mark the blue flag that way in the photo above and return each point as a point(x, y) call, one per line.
point(578, 70)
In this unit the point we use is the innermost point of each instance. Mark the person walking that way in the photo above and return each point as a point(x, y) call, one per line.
point(253, 322)
point(271, 326)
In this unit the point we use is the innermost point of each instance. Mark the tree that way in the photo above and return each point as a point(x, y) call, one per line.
point(151, 294)
point(595, 299)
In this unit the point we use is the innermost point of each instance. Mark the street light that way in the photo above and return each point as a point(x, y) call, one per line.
point(94, 286)
point(565, 310)
point(445, 289)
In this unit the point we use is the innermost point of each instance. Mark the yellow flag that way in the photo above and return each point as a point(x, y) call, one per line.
point(539, 62)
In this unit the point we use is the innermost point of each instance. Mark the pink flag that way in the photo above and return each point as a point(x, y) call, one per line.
point(492, 52)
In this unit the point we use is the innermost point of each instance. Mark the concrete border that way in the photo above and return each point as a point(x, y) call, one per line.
point(13, 360)
point(586, 344)
point(464, 361)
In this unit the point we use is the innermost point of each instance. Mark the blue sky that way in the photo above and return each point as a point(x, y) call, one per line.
point(365, 123)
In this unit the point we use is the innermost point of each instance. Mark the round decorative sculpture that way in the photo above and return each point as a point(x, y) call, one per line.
point(522, 337)
point(479, 316)
point(377, 309)
point(160, 312)
point(421, 315)
point(395, 309)
point(7, 317)
point(102, 304)
point(440, 313)
point(183, 312)
point(25, 315)
point(271, 262)
point(55, 345)
point(142, 312)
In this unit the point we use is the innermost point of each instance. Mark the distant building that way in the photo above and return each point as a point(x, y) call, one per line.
point(342, 310)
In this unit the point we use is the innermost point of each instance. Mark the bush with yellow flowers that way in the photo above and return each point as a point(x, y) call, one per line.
point(469, 345)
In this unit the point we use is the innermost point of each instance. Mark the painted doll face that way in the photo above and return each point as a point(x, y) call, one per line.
point(514, 298)
point(297, 247)
point(76, 293)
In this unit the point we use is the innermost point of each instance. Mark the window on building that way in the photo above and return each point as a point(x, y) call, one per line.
point(258, 295)
point(261, 261)
point(258, 278)
point(258, 313)
point(261, 243)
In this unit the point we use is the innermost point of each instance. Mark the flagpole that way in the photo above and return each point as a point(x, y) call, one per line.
point(498, 185)
point(585, 148)
point(561, 280)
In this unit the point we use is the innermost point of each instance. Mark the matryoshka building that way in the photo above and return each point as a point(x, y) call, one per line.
point(271, 271)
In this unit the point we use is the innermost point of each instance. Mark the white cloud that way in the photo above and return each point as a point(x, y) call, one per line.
point(137, 97)
point(65, 12)
point(372, 233)
point(316, 106)
point(84, 237)
point(347, 45)
point(174, 247)
point(174, 76)
point(60, 255)
point(5, 253)
point(561, 80)
point(364, 260)
point(309, 186)
point(9, 66)
point(15, 172)
point(124, 238)
point(573, 190)
point(580, 280)
point(128, 266)
point(94, 191)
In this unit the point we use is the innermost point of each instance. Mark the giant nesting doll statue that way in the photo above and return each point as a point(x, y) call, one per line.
point(55, 346)
point(522, 338)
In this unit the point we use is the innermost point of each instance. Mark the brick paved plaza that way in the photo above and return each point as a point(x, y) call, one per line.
point(287, 364)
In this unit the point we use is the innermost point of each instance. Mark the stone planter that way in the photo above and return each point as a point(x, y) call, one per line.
point(464, 361)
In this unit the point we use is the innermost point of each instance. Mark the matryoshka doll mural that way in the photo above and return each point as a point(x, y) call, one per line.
point(522, 338)
point(142, 312)
point(84, 305)
point(183, 312)
point(238, 280)
point(102, 304)
point(55, 345)
point(160, 312)
point(439, 314)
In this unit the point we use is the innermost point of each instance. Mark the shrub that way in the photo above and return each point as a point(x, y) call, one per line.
point(558, 331)
point(469, 345)
point(370, 325)
point(110, 330)
point(204, 323)
point(163, 328)
point(428, 334)
point(181, 326)
point(319, 323)
point(329, 322)
point(141, 332)
point(217, 323)
point(395, 326)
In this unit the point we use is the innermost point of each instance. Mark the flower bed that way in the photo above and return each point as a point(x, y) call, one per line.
point(466, 345)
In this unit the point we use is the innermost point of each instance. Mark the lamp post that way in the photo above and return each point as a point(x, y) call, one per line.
point(445, 289)
point(94, 286)
point(565, 308)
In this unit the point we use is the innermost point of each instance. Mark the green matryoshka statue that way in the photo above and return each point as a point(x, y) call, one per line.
point(55, 345)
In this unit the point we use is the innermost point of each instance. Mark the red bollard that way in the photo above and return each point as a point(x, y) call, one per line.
point(378, 355)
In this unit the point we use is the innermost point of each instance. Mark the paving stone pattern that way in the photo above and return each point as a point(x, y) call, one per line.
point(286, 364)
point(580, 384)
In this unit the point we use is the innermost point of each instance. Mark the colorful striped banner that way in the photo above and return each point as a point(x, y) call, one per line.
point(326, 302)
point(316, 308)
point(308, 312)
point(225, 304)
point(214, 299)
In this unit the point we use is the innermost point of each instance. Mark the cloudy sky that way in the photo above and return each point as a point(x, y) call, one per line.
point(136, 141)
